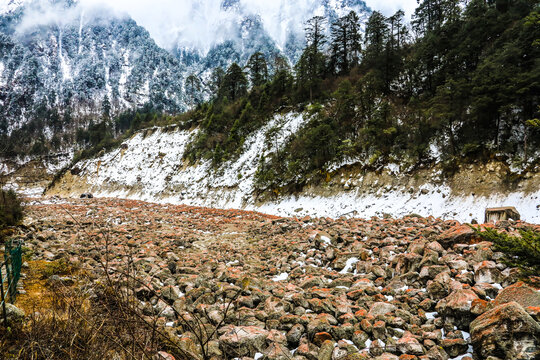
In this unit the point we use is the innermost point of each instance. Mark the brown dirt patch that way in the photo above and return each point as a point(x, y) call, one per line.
point(37, 297)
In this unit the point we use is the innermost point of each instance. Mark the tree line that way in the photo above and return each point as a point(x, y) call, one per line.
point(459, 83)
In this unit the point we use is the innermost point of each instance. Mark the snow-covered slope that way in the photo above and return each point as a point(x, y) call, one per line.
point(8, 6)
point(75, 61)
point(149, 167)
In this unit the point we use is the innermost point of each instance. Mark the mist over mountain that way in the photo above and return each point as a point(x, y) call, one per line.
point(62, 62)
point(59, 62)
point(194, 26)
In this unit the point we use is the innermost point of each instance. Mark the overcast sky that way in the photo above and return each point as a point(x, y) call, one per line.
point(164, 18)
point(140, 7)
point(388, 7)
point(200, 23)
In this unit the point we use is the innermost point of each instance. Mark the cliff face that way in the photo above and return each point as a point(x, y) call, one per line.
point(149, 166)
point(62, 72)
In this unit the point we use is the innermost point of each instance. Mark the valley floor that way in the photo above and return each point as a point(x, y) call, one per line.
point(308, 288)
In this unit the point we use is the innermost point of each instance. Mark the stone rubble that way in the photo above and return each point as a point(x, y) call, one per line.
point(303, 289)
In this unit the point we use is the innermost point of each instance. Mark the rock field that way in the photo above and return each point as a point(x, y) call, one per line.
point(315, 289)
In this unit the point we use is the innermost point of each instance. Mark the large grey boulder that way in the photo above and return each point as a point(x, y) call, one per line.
point(240, 341)
point(456, 307)
point(408, 344)
point(13, 313)
point(521, 293)
point(506, 332)
point(459, 234)
point(487, 272)
point(381, 308)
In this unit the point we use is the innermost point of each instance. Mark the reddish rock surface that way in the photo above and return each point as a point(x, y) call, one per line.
point(458, 234)
point(323, 288)
point(521, 293)
point(507, 332)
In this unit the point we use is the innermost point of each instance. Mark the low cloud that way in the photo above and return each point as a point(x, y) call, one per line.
point(200, 24)
point(389, 7)
point(42, 13)
point(196, 24)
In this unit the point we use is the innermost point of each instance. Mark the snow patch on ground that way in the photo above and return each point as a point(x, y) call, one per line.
point(438, 203)
point(31, 192)
point(344, 162)
point(326, 240)
point(431, 315)
point(349, 265)
point(280, 277)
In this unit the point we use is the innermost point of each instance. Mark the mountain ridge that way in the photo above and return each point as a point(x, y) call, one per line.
point(63, 63)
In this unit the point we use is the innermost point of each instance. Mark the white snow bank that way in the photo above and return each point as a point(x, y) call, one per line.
point(349, 265)
point(152, 169)
point(438, 203)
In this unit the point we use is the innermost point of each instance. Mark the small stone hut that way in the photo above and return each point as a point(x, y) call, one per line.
point(501, 213)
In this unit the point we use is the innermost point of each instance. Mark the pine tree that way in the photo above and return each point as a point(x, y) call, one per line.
point(394, 47)
point(376, 37)
point(106, 108)
point(375, 56)
point(309, 71)
point(310, 66)
point(216, 79)
point(193, 89)
point(354, 39)
point(521, 251)
point(431, 15)
point(346, 43)
point(234, 83)
point(315, 32)
point(448, 107)
point(280, 63)
point(282, 79)
point(432, 21)
point(340, 45)
point(258, 69)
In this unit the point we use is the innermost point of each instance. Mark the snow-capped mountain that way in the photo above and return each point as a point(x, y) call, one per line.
point(78, 56)
point(78, 59)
